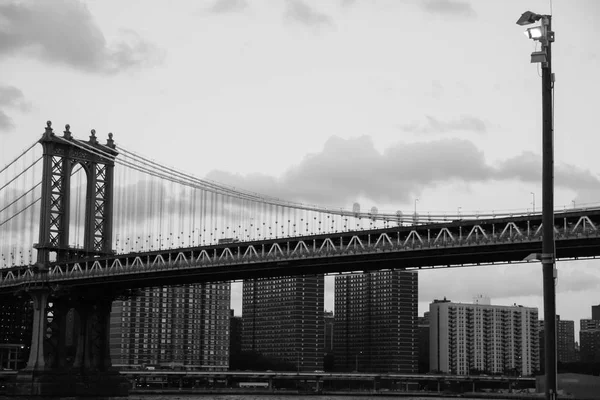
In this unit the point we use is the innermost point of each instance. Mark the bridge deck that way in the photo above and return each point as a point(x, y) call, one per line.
point(456, 243)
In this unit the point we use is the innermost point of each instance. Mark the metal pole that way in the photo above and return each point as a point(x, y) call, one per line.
point(548, 250)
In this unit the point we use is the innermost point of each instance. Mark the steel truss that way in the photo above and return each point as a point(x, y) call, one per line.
point(455, 243)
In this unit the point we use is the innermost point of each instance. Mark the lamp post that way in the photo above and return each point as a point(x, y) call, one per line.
point(356, 357)
point(545, 36)
point(533, 201)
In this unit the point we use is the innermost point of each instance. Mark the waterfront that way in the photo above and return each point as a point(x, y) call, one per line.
point(365, 396)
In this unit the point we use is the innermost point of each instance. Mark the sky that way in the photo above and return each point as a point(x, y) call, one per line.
point(330, 102)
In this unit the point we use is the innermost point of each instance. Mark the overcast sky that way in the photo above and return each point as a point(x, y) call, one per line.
point(329, 102)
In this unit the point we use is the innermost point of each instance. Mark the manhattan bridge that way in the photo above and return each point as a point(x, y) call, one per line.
point(83, 223)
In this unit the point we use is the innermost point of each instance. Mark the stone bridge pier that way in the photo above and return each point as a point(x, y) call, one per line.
point(70, 355)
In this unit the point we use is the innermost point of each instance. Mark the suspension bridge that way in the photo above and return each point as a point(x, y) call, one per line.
point(84, 222)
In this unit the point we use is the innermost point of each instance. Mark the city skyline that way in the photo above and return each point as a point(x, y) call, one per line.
point(401, 105)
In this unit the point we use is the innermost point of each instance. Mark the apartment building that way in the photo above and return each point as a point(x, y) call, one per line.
point(375, 324)
point(481, 337)
point(184, 327)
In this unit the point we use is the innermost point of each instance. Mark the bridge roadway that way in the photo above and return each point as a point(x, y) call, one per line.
point(427, 245)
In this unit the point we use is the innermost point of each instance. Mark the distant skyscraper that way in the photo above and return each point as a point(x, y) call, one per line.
point(329, 332)
point(489, 338)
point(423, 324)
point(565, 341)
point(589, 349)
point(185, 326)
point(585, 324)
point(376, 322)
point(16, 322)
point(235, 336)
point(596, 312)
point(565, 338)
point(282, 318)
point(589, 337)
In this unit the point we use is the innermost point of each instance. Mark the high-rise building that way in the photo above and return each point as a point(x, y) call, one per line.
point(596, 312)
point(185, 326)
point(565, 341)
point(486, 338)
point(16, 322)
point(589, 337)
point(235, 336)
point(585, 324)
point(282, 318)
point(589, 350)
point(328, 319)
point(423, 326)
point(376, 322)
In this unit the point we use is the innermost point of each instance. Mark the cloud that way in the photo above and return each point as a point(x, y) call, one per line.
point(527, 167)
point(300, 12)
point(6, 122)
point(355, 169)
point(11, 97)
point(434, 125)
point(64, 32)
point(448, 7)
point(228, 6)
point(508, 281)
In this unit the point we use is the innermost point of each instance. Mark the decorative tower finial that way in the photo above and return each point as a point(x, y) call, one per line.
point(67, 132)
point(49, 131)
point(93, 139)
point(110, 142)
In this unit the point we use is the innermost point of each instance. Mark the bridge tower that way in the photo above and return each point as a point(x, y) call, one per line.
point(60, 157)
point(83, 366)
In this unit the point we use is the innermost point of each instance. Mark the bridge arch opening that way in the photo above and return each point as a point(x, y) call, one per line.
point(78, 193)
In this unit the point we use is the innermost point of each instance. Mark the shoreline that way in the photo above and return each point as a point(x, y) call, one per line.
point(477, 395)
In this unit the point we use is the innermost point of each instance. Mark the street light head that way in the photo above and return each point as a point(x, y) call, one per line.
point(528, 18)
point(538, 57)
point(535, 33)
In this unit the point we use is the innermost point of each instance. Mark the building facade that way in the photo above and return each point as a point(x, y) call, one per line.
point(465, 338)
point(329, 321)
point(235, 336)
point(376, 322)
point(565, 341)
point(180, 327)
point(589, 337)
point(596, 313)
point(16, 322)
point(423, 326)
point(282, 318)
point(589, 348)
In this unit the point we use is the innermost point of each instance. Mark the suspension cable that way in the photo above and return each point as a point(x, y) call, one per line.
point(16, 159)
point(20, 197)
point(21, 211)
point(21, 173)
point(176, 176)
